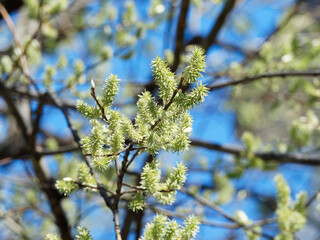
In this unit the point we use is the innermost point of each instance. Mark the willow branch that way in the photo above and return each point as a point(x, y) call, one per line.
point(247, 80)
point(266, 156)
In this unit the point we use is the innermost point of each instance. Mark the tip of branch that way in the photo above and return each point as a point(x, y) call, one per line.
point(93, 86)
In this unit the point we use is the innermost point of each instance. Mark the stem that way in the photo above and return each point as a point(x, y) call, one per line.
point(93, 94)
point(115, 207)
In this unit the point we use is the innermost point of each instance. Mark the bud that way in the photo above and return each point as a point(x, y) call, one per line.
point(67, 179)
point(93, 86)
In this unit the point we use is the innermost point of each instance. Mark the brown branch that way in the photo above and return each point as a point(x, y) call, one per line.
point(266, 156)
point(212, 37)
point(38, 151)
point(247, 80)
point(60, 150)
point(36, 125)
point(209, 204)
point(40, 97)
point(180, 33)
point(82, 185)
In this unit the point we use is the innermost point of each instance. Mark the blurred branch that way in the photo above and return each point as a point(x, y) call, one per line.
point(180, 34)
point(233, 47)
point(212, 37)
point(14, 226)
point(40, 97)
point(312, 198)
point(247, 80)
point(209, 204)
point(13, 109)
point(267, 156)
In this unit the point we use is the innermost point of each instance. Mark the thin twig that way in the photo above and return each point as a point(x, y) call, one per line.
point(247, 80)
point(93, 94)
point(209, 204)
point(267, 156)
point(82, 185)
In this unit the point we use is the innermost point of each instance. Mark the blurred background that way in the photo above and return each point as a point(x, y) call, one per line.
point(243, 134)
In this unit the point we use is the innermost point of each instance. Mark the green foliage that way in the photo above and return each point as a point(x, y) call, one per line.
point(6, 64)
point(66, 186)
point(50, 72)
point(52, 236)
point(137, 202)
point(253, 232)
point(107, 52)
point(191, 227)
point(177, 177)
point(55, 6)
point(223, 187)
point(78, 67)
point(150, 177)
point(164, 79)
point(159, 125)
point(129, 16)
point(62, 61)
point(110, 90)
point(302, 129)
point(300, 204)
point(163, 228)
point(33, 7)
point(85, 176)
point(83, 234)
point(290, 218)
point(88, 111)
point(196, 66)
point(164, 192)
